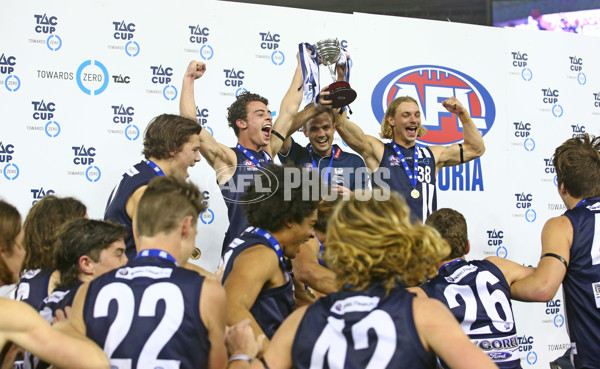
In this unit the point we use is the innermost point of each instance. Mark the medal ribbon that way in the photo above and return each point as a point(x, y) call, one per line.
point(411, 176)
point(272, 241)
point(155, 167)
point(251, 157)
point(157, 253)
point(328, 170)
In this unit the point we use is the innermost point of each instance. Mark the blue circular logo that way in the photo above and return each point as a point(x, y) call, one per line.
point(581, 78)
point(530, 215)
point(132, 48)
point(170, 92)
point(206, 52)
point(132, 132)
point(207, 216)
point(54, 42)
point(52, 129)
point(209, 129)
point(104, 81)
point(239, 91)
point(526, 74)
point(531, 358)
point(92, 173)
point(11, 171)
point(559, 320)
point(557, 110)
point(529, 144)
point(8, 83)
point(555, 180)
point(277, 57)
point(502, 252)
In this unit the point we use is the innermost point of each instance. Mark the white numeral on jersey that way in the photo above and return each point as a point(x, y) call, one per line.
point(333, 344)
point(123, 295)
point(23, 291)
point(425, 174)
point(489, 302)
point(595, 253)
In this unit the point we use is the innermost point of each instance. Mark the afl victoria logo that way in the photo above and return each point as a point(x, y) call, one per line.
point(430, 85)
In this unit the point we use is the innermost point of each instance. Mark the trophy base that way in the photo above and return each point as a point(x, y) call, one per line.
point(341, 94)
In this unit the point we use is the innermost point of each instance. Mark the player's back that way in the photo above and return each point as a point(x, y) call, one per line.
point(356, 329)
point(135, 177)
point(147, 315)
point(478, 295)
point(33, 287)
point(582, 283)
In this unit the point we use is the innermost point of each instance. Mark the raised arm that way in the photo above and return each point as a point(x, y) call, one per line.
point(309, 112)
point(220, 157)
point(285, 122)
point(473, 146)
point(369, 147)
point(543, 283)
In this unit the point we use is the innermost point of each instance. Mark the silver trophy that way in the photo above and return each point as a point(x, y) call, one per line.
point(328, 54)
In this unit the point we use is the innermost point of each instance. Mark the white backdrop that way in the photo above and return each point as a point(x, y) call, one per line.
point(80, 81)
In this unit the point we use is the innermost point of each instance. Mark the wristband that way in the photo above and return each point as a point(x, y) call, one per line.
point(560, 258)
point(239, 357)
point(277, 134)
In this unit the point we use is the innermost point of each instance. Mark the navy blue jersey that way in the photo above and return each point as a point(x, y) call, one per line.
point(135, 177)
point(33, 287)
point(478, 295)
point(349, 329)
point(60, 298)
point(147, 314)
point(347, 169)
point(426, 203)
point(581, 284)
point(235, 188)
point(272, 305)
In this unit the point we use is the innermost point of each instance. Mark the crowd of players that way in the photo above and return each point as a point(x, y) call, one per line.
point(373, 277)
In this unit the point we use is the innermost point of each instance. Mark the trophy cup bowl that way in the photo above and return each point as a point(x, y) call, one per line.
point(328, 53)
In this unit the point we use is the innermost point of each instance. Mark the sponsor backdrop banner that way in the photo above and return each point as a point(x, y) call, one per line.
point(79, 83)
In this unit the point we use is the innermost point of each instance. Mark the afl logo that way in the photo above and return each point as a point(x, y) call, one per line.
point(430, 85)
point(248, 163)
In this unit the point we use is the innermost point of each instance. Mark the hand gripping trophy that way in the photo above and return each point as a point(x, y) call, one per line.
point(329, 53)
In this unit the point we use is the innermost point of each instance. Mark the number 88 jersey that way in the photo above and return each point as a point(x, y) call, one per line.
point(147, 315)
point(478, 295)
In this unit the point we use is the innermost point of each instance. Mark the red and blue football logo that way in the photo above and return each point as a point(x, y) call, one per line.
point(248, 163)
point(430, 85)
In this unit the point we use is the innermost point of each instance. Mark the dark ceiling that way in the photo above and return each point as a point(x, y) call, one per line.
point(460, 11)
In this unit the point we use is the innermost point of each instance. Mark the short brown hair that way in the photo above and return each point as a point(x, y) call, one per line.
point(40, 228)
point(165, 203)
point(452, 226)
point(577, 165)
point(168, 133)
point(10, 227)
point(238, 110)
point(387, 131)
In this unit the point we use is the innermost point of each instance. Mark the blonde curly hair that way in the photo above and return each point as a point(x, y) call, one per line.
point(373, 241)
point(387, 131)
